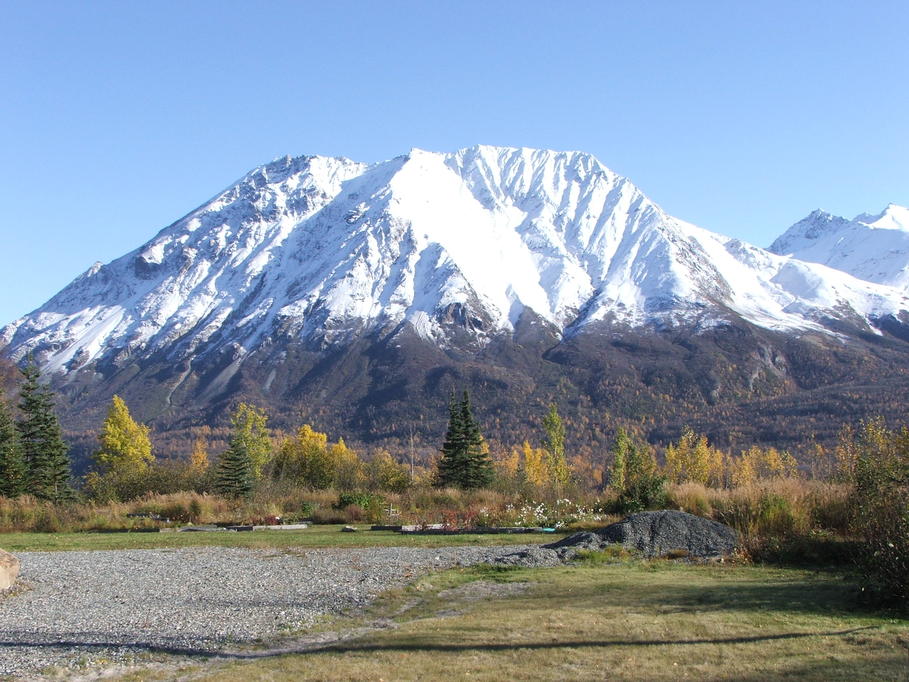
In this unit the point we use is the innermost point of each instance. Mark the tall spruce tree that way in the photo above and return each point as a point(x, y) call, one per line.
point(233, 475)
point(465, 459)
point(45, 453)
point(235, 471)
point(453, 462)
point(12, 462)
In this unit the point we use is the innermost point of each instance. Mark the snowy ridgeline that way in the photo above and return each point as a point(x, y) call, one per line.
point(316, 247)
point(871, 247)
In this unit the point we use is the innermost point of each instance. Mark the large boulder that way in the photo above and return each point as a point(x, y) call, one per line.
point(9, 570)
point(654, 534)
point(658, 533)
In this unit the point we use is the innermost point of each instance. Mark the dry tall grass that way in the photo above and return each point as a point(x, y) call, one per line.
point(783, 518)
point(776, 508)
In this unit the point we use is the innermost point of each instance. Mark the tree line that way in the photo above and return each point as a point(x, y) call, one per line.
point(34, 459)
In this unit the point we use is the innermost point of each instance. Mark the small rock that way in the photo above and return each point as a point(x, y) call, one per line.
point(9, 570)
point(531, 557)
point(580, 541)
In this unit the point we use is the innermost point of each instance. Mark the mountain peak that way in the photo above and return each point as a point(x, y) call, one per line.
point(872, 247)
point(809, 229)
point(893, 217)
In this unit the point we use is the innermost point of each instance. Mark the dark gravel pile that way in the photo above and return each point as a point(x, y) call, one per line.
point(652, 534)
point(657, 533)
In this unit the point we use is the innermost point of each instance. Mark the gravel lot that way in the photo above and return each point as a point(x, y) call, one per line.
point(83, 608)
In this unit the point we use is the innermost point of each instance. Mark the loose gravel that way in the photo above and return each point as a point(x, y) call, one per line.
point(81, 609)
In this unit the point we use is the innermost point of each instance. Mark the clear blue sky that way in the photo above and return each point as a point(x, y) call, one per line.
point(117, 118)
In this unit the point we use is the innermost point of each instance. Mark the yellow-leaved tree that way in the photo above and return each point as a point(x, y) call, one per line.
point(303, 459)
point(508, 464)
point(250, 431)
point(692, 460)
point(307, 459)
point(348, 471)
point(123, 458)
point(756, 464)
point(536, 465)
point(385, 473)
point(125, 445)
point(198, 458)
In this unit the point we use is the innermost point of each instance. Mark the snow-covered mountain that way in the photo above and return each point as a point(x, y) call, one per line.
point(871, 247)
point(320, 250)
point(357, 296)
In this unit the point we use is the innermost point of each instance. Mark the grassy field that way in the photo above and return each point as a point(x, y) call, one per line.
point(606, 618)
point(314, 536)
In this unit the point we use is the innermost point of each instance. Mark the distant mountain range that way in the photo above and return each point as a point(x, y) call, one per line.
point(357, 295)
point(871, 247)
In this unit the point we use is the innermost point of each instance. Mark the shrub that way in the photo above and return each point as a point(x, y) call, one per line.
point(647, 491)
point(361, 499)
point(830, 507)
point(881, 500)
point(329, 515)
point(776, 515)
point(634, 478)
point(361, 506)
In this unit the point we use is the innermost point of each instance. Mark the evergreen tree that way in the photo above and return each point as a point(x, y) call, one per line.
point(12, 462)
point(453, 462)
point(233, 476)
point(465, 458)
point(249, 450)
point(45, 453)
point(479, 464)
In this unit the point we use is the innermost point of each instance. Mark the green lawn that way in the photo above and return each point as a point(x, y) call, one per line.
point(629, 620)
point(606, 617)
point(314, 536)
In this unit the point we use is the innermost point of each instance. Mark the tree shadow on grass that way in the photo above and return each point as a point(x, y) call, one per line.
point(89, 642)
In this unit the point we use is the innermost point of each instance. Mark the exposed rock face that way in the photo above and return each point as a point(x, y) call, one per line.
point(657, 533)
point(9, 570)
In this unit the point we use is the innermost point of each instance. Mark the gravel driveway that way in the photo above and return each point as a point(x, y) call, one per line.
point(86, 607)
